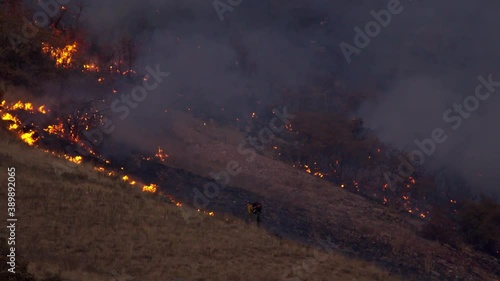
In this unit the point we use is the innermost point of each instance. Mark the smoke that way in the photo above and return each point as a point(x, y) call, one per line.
point(425, 60)
point(432, 68)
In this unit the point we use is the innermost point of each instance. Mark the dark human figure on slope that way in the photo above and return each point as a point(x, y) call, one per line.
point(254, 209)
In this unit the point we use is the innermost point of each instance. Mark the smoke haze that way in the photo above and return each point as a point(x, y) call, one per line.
point(427, 59)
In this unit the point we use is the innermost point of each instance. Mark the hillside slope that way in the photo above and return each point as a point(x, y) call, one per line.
point(90, 227)
point(358, 227)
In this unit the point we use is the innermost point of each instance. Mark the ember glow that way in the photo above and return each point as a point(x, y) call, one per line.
point(67, 130)
point(55, 129)
point(42, 110)
point(91, 67)
point(9, 117)
point(150, 188)
point(62, 56)
point(25, 106)
point(76, 159)
point(408, 204)
point(161, 155)
point(28, 137)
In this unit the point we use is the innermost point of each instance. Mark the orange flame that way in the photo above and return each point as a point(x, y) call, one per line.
point(75, 159)
point(55, 129)
point(149, 188)
point(41, 109)
point(91, 67)
point(64, 56)
point(308, 170)
point(9, 117)
point(19, 105)
point(28, 138)
point(161, 155)
point(23, 106)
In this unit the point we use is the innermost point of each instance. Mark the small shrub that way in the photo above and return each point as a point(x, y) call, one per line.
point(480, 225)
point(441, 228)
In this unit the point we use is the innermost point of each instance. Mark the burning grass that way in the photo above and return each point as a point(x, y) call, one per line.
point(92, 226)
point(63, 57)
point(365, 229)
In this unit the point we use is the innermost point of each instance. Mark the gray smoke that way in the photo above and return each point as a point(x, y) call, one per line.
point(426, 59)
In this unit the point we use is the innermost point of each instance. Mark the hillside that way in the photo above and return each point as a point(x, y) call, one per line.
point(168, 98)
point(86, 226)
point(297, 200)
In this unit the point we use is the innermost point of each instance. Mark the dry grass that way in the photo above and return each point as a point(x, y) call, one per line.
point(89, 227)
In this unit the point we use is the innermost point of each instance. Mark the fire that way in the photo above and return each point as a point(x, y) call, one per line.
point(412, 180)
point(149, 188)
point(161, 155)
point(64, 56)
point(28, 137)
point(55, 129)
point(42, 110)
point(99, 169)
point(308, 170)
point(179, 204)
point(23, 106)
point(91, 67)
point(128, 72)
point(9, 117)
point(126, 178)
point(319, 174)
point(76, 159)
point(64, 131)
point(19, 105)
